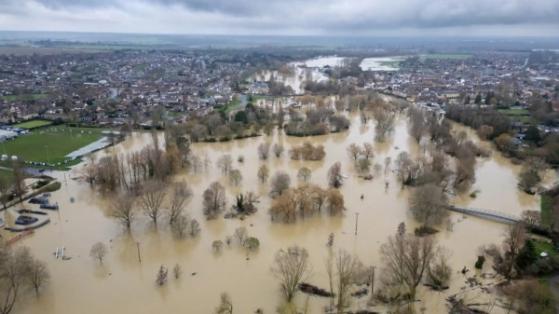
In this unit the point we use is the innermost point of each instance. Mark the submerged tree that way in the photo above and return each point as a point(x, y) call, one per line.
point(406, 258)
point(98, 251)
point(37, 275)
point(235, 177)
point(304, 174)
point(214, 200)
point(19, 270)
point(225, 164)
point(181, 193)
point(354, 151)
point(161, 277)
point(180, 226)
point(122, 208)
point(225, 305)
point(347, 267)
point(505, 259)
point(335, 178)
point(278, 150)
point(264, 151)
point(151, 199)
point(263, 173)
point(280, 183)
point(291, 267)
point(429, 205)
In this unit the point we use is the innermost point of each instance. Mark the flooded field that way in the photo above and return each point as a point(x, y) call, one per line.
point(295, 74)
point(123, 284)
point(385, 64)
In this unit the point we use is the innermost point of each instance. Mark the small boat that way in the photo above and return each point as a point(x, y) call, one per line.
point(2, 223)
point(49, 206)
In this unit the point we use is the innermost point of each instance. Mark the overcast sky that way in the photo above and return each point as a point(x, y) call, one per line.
point(287, 17)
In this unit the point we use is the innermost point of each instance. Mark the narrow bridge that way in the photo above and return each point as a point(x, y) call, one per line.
point(486, 214)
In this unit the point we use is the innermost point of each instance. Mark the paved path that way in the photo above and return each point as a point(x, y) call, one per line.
point(487, 214)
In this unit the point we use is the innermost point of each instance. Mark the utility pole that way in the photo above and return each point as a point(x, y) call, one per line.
point(372, 282)
point(139, 255)
point(356, 222)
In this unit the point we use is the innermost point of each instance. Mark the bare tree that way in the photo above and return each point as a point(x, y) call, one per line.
point(504, 260)
point(278, 150)
point(122, 208)
point(439, 272)
point(347, 267)
point(214, 200)
point(14, 269)
point(264, 151)
point(304, 174)
point(335, 202)
point(235, 177)
point(152, 197)
point(241, 235)
point(177, 271)
point(225, 164)
point(354, 151)
point(161, 277)
point(291, 267)
point(418, 123)
point(217, 246)
point(19, 179)
point(406, 258)
point(225, 305)
point(263, 173)
point(335, 178)
point(363, 165)
point(98, 251)
point(181, 193)
point(194, 228)
point(429, 204)
point(368, 151)
point(38, 275)
point(280, 183)
point(407, 171)
point(180, 226)
point(384, 123)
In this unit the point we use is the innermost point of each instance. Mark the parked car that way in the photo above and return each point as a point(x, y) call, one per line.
point(39, 200)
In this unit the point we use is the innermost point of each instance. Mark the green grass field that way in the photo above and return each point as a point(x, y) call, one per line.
point(24, 97)
point(521, 115)
point(544, 246)
point(51, 144)
point(33, 124)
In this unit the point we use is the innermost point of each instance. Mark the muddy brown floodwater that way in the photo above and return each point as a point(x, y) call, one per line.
point(123, 285)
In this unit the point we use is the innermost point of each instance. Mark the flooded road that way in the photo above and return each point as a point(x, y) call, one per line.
point(125, 285)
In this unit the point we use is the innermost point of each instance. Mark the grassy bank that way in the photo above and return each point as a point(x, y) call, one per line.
point(546, 208)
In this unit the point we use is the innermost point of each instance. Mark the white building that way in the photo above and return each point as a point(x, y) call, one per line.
point(7, 135)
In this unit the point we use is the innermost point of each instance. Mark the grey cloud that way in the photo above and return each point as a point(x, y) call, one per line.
point(324, 16)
